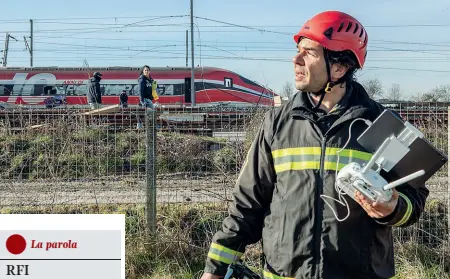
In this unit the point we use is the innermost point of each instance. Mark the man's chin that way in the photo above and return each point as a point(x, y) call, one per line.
point(301, 86)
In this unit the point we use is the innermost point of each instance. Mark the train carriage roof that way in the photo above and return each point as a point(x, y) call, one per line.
point(114, 68)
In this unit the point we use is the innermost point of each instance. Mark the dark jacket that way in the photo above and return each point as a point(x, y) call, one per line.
point(277, 197)
point(94, 94)
point(123, 98)
point(145, 87)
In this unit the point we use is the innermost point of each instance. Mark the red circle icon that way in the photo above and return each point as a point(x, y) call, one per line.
point(16, 244)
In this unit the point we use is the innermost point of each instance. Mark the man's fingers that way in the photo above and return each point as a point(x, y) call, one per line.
point(366, 205)
point(394, 194)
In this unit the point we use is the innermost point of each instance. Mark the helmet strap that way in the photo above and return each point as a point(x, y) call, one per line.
point(330, 84)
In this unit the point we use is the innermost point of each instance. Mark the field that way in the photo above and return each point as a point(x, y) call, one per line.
point(70, 165)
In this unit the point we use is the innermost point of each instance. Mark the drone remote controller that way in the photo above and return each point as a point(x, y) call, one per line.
point(371, 184)
point(354, 177)
point(351, 179)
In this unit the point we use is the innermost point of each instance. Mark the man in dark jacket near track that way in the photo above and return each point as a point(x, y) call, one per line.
point(94, 95)
point(279, 196)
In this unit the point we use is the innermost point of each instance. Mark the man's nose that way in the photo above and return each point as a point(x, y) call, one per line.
point(298, 58)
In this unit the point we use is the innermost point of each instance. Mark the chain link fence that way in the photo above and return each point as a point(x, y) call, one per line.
point(71, 157)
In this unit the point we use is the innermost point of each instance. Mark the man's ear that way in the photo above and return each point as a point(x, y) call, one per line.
point(338, 71)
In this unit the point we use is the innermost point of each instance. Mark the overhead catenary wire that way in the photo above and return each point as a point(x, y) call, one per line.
point(439, 51)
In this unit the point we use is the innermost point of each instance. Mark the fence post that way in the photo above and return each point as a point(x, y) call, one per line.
point(150, 165)
point(448, 174)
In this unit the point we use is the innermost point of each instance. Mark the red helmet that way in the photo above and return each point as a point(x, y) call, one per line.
point(336, 31)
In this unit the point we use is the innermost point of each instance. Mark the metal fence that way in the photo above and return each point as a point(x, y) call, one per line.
point(161, 160)
point(70, 157)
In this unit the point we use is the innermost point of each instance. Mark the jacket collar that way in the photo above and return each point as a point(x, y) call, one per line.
point(356, 101)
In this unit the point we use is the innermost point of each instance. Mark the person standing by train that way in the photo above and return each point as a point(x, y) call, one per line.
point(94, 94)
point(145, 88)
point(123, 99)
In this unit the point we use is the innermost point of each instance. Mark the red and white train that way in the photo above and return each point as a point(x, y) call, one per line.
point(47, 86)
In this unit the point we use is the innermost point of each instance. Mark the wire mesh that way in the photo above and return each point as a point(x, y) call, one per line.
point(71, 157)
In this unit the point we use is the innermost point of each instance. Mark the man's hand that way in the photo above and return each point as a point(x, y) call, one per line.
point(210, 276)
point(377, 209)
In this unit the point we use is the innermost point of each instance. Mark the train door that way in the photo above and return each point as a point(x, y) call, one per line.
point(187, 90)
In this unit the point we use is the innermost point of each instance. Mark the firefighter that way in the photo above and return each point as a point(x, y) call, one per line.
point(292, 163)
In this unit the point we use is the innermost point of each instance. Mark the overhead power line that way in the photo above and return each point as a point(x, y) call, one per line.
point(243, 26)
point(85, 18)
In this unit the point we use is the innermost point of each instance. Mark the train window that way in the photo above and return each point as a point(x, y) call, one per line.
point(228, 82)
point(169, 90)
point(161, 89)
point(38, 90)
point(114, 89)
point(7, 90)
point(81, 90)
point(205, 85)
point(178, 89)
point(135, 91)
point(49, 90)
point(60, 89)
point(128, 88)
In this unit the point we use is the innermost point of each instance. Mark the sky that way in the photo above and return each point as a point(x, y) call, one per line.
point(409, 41)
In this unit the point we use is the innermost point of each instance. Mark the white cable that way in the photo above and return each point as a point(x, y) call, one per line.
point(336, 186)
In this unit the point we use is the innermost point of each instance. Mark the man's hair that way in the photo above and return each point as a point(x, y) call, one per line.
point(346, 58)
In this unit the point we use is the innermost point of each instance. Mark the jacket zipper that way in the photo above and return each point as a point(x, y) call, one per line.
point(319, 216)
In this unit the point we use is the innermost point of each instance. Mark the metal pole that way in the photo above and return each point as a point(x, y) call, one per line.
point(192, 55)
point(150, 126)
point(187, 48)
point(5, 51)
point(31, 43)
point(448, 176)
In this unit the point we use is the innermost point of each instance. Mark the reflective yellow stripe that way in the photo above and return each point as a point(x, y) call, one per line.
point(408, 212)
point(349, 153)
point(268, 275)
point(223, 254)
point(317, 151)
point(296, 151)
point(303, 158)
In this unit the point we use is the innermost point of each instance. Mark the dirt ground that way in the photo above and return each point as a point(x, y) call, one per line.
point(120, 190)
point(128, 190)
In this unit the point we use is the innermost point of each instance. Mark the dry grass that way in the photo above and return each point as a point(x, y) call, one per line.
point(178, 248)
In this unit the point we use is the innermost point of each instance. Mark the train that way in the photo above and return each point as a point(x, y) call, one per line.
point(54, 86)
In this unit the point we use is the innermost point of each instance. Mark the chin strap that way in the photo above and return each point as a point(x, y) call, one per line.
point(330, 84)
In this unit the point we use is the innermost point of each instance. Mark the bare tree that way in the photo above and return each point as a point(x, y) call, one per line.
point(416, 97)
point(440, 93)
point(373, 88)
point(394, 93)
point(287, 90)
